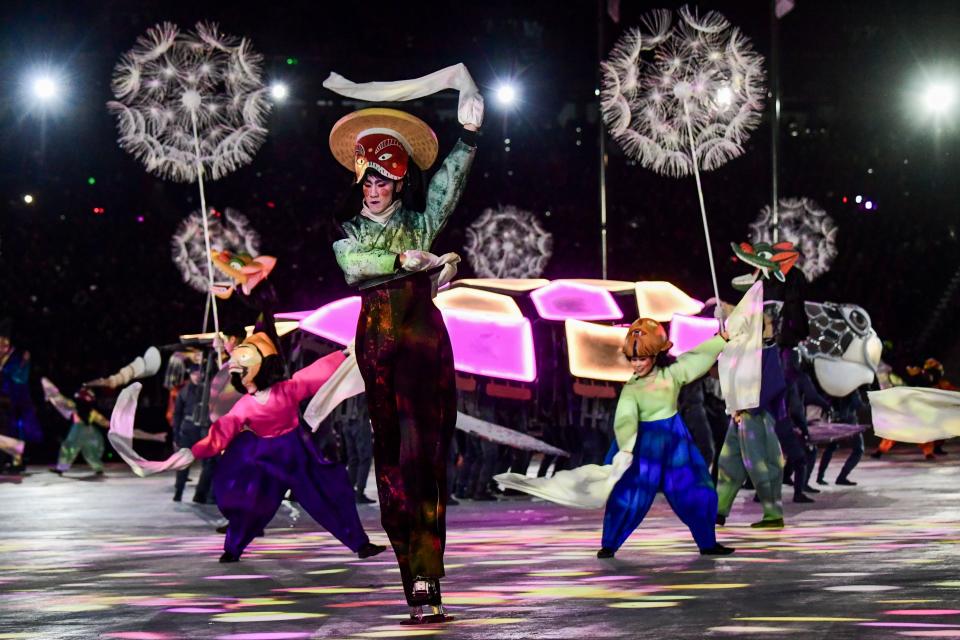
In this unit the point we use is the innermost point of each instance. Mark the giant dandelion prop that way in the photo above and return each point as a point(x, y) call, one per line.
point(681, 97)
point(802, 222)
point(228, 231)
point(508, 243)
point(191, 106)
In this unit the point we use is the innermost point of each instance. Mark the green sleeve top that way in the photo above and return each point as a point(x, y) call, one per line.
point(370, 249)
point(654, 396)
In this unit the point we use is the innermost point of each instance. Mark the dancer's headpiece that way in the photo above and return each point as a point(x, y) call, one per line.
point(645, 338)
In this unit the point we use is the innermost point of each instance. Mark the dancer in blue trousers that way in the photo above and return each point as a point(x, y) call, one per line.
point(665, 457)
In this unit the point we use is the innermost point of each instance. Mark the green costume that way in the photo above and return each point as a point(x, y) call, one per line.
point(654, 397)
point(370, 249)
point(751, 447)
point(84, 436)
point(665, 457)
point(406, 360)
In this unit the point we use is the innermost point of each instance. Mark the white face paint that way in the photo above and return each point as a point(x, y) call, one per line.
point(378, 193)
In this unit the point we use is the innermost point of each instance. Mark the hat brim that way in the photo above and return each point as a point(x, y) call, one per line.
point(416, 132)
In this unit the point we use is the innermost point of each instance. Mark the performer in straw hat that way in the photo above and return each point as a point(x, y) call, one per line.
point(403, 349)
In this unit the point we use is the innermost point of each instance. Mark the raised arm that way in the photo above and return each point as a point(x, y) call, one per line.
point(64, 405)
point(448, 183)
point(359, 264)
point(308, 380)
point(696, 362)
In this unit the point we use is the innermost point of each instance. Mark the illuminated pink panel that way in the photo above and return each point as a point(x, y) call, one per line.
point(336, 321)
point(686, 332)
point(293, 315)
point(494, 346)
point(567, 300)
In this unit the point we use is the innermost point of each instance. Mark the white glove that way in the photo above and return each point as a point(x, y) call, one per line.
point(470, 105)
point(416, 260)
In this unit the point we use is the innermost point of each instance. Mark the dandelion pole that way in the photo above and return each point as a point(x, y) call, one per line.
point(703, 208)
point(191, 106)
point(680, 96)
point(192, 102)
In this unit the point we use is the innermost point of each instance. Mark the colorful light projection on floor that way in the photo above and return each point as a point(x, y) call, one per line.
point(661, 300)
point(568, 300)
point(593, 351)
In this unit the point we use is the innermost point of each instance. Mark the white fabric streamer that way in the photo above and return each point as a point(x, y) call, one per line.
point(469, 109)
point(740, 363)
point(121, 437)
point(345, 383)
point(586, 487)
point(915, 414)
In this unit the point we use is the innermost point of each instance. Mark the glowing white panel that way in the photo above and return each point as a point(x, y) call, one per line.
point(505, 284)
point(660, 300)
point(593, 351)
point(477, 301)
point(613, 286)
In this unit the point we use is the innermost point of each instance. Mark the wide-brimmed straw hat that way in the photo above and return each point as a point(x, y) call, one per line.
point(414, 134)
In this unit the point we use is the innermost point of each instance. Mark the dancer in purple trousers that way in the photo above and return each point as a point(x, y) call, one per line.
point(266, 453)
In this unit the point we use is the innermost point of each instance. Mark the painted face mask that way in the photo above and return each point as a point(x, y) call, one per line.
point(768, 260)
point(247, 357)
point(384, 152)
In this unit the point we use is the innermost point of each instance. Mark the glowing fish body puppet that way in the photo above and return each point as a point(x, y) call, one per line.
point(843, 346)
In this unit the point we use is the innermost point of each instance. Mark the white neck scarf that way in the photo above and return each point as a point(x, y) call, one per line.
point(384, 216)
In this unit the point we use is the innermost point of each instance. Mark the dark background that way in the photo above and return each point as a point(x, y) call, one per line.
point(89, 292)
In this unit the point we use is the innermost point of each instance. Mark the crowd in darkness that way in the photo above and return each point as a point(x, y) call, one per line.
point(88, 292)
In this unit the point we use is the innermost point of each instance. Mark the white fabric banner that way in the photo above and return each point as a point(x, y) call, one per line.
point(470, 106)
point(915, 414)
point(740, 363)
